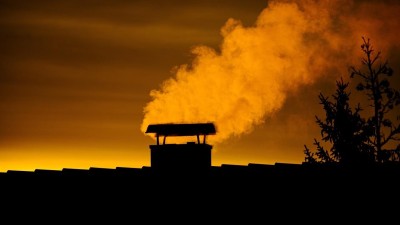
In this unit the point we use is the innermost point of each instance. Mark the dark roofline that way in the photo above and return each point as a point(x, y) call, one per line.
point(170, 129)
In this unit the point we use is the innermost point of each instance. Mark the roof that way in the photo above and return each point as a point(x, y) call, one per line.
point(170, 129)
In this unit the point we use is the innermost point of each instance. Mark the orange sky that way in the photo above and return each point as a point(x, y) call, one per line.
point(76, 76)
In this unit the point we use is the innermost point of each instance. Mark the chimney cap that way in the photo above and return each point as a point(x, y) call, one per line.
point(182, 129)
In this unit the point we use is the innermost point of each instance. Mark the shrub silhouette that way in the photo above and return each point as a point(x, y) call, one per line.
point(383, 99)
point(354, 139)
point(345, 130)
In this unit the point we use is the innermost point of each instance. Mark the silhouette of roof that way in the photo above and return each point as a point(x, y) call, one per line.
point(121, 192)
point(171, 129)
point(283, 170)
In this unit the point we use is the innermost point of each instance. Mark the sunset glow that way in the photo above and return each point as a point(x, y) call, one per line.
point(80, 82)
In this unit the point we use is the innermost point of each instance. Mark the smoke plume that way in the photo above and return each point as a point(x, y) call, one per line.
point(290, 46)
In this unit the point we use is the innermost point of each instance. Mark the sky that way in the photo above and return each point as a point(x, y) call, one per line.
point(81, 80)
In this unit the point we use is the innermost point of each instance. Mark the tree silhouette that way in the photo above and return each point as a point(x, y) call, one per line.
point(383, 99)
point(344, 129)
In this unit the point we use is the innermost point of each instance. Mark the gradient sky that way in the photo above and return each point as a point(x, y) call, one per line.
point(75, 77)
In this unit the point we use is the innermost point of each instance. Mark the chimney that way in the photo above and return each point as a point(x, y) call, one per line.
point(192, 156)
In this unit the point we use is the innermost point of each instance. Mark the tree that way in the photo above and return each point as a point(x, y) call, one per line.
point(383, 98)
point(346, 131)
